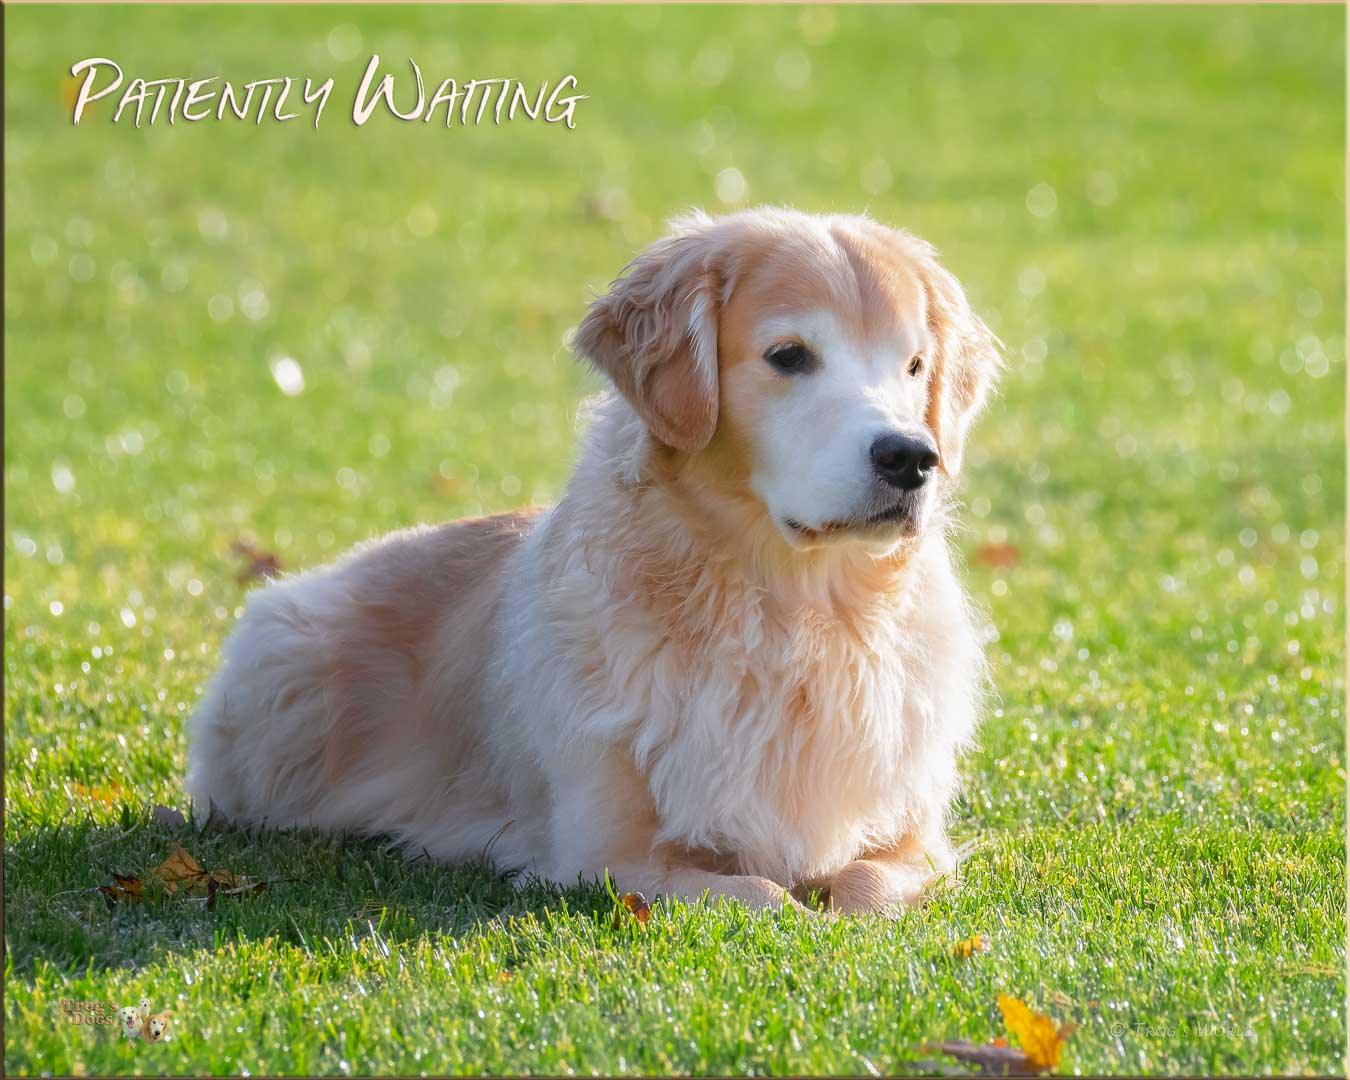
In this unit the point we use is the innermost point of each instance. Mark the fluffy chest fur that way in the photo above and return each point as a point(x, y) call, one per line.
point(793, 744)
point(792, 735)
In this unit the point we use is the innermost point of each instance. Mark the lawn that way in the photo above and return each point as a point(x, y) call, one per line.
point(1148, 206)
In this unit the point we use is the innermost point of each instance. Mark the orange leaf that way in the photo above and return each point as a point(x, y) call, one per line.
point(182, 875)
point(106, 794)
point(636, 904)
point(968, 947)
point(70, 93)
point(998, 554)
point(1035, 1032)
point(180, 871)
point(124, 888)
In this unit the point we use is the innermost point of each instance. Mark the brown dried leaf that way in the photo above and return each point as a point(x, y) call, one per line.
point(1005, 555)
point(227, 885)
point(180, 871)
point(992, 1059)
point(260, 564)
point(124, 889)
point(182, 876)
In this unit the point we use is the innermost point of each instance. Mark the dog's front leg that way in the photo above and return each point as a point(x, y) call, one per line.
point(694, 885)
point(604, 821)
point(885, 881)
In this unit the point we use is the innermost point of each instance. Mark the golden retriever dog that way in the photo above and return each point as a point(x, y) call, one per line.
point(734, 660)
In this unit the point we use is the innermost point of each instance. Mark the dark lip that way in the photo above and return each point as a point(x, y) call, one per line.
point(897, 512)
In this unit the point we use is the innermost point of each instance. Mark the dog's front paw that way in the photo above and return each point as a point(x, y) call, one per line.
point(863, 887)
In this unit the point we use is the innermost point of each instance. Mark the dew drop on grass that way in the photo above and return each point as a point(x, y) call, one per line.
point(1042, 201)
point(731, 186)
point(288, 375)
point(220, 307)
point(62, 478)
point(213, 224)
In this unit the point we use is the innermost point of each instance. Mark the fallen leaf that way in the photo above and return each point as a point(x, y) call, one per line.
point(636, 904)
point(215, 888)
point(167, 817)
point(106, 794)
point(1038, 1036)
point(968, 947)
point(70, 94)
point(182, 875)
point(261, 564)
point(451, 486)
point(992, 1059)
point(180, 871)
point(1005, 555)
point(124, 888)
point(610, 203)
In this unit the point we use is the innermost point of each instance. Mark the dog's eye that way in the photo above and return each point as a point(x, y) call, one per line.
point(916, 365)
point(791, 358)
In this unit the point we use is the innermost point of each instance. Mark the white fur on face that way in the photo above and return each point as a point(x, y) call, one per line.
point(813, 431)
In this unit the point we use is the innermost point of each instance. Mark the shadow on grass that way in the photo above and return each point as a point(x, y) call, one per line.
point(323, 890)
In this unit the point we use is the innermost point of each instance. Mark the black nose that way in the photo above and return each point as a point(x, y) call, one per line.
point(903, 461)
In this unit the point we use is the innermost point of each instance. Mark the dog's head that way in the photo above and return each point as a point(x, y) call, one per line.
point(828, 365)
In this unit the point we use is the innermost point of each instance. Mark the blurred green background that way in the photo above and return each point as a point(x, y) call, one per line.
point(1146, 204)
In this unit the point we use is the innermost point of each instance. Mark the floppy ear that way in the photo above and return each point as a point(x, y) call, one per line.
point(654, 334)
point(965, 363)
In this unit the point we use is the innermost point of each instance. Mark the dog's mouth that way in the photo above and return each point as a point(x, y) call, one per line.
point(900, 513)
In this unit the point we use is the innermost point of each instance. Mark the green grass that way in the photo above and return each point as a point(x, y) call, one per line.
point(1158, 800)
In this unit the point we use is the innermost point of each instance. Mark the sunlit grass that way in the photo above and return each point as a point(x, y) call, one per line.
point(1153, 521)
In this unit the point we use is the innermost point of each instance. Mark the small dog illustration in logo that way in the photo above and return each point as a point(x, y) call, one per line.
point(130, 1022)
point(138, 1022)
point(155, 1027)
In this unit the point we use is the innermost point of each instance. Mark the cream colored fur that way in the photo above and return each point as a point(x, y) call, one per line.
point(687, 674)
